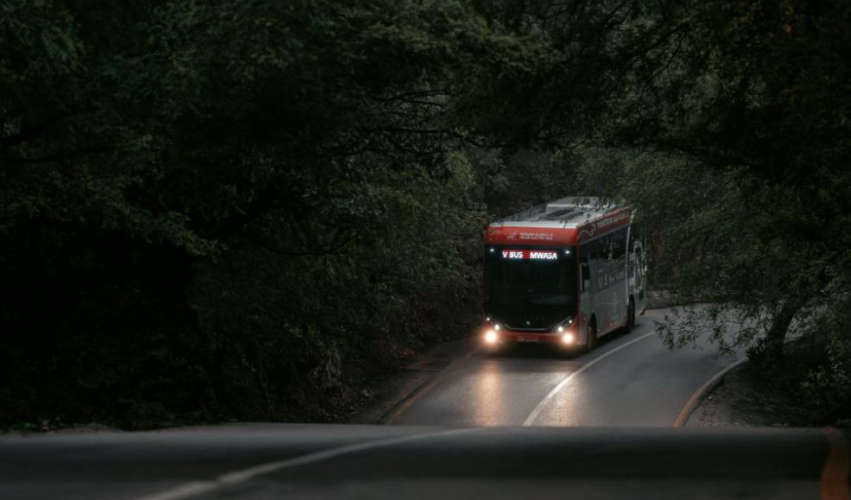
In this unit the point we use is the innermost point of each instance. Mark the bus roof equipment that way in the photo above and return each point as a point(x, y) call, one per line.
point(567, 221)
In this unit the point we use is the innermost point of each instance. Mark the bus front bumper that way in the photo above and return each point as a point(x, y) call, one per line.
point(492, 338)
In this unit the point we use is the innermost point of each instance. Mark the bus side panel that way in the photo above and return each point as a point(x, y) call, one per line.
point(607, 298)
point(637, 276)
point(619, 256)
point(586, 295)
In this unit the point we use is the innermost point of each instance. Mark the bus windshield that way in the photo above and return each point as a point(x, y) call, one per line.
point(530, 288)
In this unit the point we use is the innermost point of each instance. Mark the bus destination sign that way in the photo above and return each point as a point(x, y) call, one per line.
point(530, 254)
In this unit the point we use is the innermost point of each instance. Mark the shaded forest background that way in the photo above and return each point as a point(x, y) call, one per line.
point(246, 210)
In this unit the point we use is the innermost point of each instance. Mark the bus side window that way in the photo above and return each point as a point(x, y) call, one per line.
point(619, 244)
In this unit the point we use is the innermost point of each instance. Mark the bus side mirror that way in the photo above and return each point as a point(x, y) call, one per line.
point(586, 277)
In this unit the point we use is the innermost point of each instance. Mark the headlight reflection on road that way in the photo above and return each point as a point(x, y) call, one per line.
point(489, 395)
point(569, 406)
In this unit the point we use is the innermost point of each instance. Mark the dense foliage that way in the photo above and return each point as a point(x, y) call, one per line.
point(207, 209)
point(745, 176)
point(217, 209)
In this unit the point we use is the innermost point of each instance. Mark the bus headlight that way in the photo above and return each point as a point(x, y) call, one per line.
point(567, 338)
point(496, 326)
point(491, 337)
point(564, 325)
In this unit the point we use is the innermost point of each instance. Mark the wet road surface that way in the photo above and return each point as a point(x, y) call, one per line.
point(628, 380)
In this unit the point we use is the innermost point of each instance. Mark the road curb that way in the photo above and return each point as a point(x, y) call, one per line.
point(406, 400)
point(417, 392)
point(704, 390)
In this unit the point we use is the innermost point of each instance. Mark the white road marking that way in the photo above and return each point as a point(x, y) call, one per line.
point(195, 488)
point(530, 420)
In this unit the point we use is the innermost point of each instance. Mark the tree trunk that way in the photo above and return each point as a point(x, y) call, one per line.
point(776, 336)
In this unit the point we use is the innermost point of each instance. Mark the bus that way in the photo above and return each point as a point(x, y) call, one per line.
point(566, 272)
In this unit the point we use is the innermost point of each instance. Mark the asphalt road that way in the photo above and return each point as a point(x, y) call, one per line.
point(630, 380)
point(339, 461)
point(598, 427)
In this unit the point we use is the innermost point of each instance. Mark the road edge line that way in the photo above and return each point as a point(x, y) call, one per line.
point(195, 488)
point(530, 420)
point(702, 392)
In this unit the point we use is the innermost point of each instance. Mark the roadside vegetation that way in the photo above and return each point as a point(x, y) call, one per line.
point(237, 210)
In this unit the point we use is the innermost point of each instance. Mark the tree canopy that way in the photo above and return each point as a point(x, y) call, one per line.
point(208, 209)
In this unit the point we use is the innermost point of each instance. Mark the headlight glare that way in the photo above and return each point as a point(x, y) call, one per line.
point(491, 337)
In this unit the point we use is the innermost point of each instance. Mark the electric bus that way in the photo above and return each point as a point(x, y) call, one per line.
point(566, 272)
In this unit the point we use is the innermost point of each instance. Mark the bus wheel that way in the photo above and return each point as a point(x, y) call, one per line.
point(591, 341)
point(630, 316)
